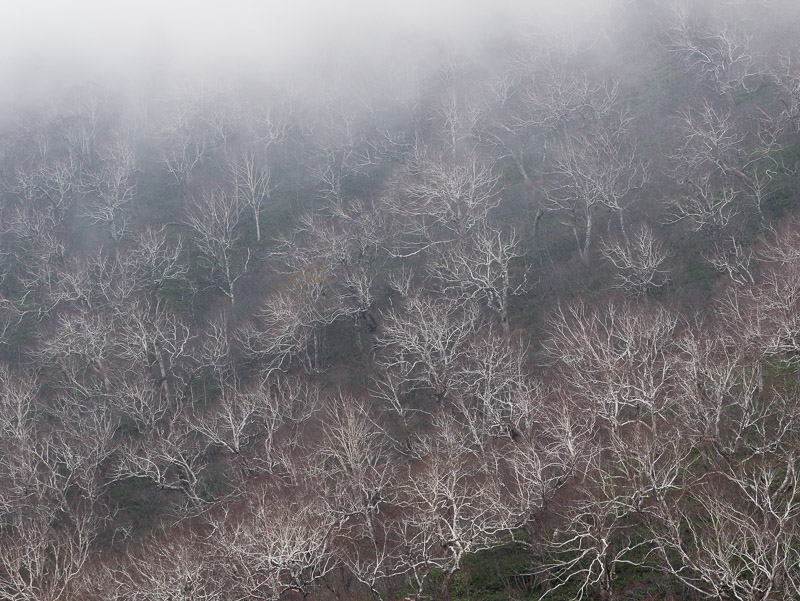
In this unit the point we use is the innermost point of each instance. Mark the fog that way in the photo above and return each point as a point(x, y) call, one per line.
point(46, 44)
point(376, 299)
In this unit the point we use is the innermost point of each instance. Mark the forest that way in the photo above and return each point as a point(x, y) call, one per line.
point(517, 324)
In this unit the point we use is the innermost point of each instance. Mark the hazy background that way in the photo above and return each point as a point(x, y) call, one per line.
point(47, 43)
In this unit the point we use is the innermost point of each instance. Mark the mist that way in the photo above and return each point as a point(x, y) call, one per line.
point(383, 300)
point(47, 46)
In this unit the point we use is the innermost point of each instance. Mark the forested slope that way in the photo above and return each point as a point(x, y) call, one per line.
point(508, 326)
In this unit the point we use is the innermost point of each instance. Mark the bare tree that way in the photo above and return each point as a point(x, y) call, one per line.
point(82, 127)
point(784, 248)
point(358, 468)
point(732, 549)
point(184, 141)
point(425, 343)
point(455, 506)
point(141, 403)
point(534, 100)
point(82, 348)
point(786, 78)
point(734, 260)
point(345, 241)
point(456, 110)
point(592, 168)
point(112, 186)
point(639, 262)
point(346, 144)
point(763, 309)
point(727, 531)
point(718, 52)
point(708, 206)
point(44, 550)
point(48, 503)
point(479, 268)
point(620, 378)
point(175, 567)
point(496, 396)
point(619, 361)
point(171, 457)
point(442, 199)
point(153, 260)
point(214, 215)
point(156, 343)
point(555, 446)
point(251, 177)
point(594, 539)
point(234, 422)
point(277, 544)
point(52, 184)
point(355, 454)
point(290, 324)
point(715, 142)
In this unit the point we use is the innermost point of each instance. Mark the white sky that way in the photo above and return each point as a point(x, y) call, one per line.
point(46, 41)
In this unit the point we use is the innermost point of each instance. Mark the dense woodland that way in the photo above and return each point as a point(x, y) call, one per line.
point(515, 324)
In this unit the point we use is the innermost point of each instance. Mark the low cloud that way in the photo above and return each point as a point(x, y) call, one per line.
point(45, 44)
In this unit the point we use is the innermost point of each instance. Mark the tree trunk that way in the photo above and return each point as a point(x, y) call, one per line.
point(535, 234)
point(504, 304)
point(797, 365)
point(229, 292)
point(587, 241)
point(606, 591)
point(537, 217)
point(622, 227)
point(752, 184)
point(103, 374)
point(606, 586)
point(162, 371)
point(445, 590)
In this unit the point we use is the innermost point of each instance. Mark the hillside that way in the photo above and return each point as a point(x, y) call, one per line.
point(517, 323)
